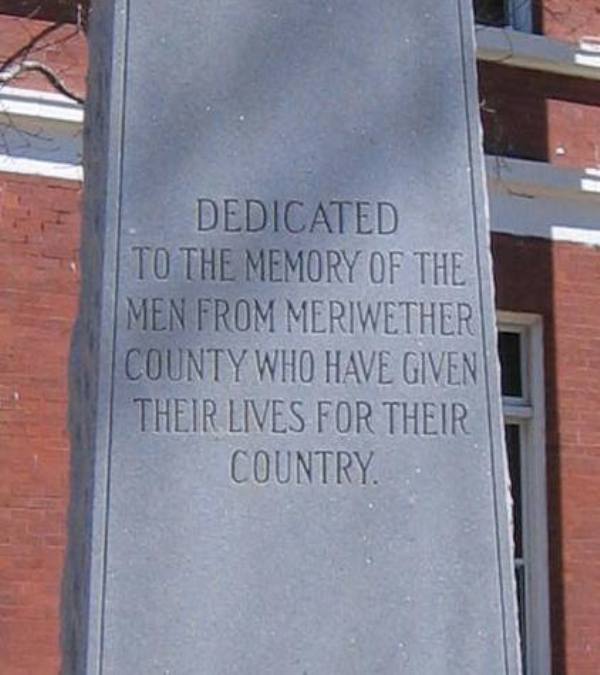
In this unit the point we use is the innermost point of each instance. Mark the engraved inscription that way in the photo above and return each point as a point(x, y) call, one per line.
point(277, 284)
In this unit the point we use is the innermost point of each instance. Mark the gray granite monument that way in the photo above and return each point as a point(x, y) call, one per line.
point(287, 440)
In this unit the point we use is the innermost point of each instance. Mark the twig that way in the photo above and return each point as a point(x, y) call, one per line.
point(16, 69)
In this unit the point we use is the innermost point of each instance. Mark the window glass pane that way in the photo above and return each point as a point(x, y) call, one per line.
point(509, 348)
point(520, 574)
point(513, 449)
point(491, 12)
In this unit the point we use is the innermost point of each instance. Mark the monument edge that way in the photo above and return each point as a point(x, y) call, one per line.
point(90, 386)
point(482, 245)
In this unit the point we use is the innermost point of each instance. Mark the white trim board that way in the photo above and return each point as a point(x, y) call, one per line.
point(40, 105)
point(535, 199)
point(40, 146)
point(534, 179)
point(523, 50)
point(25, 166)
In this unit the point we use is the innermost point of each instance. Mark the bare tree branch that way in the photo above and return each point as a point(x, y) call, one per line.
point(26, 49)
point(20, 62)
point(17, 69)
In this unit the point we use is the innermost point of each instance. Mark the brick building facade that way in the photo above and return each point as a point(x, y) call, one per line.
point(540, 94)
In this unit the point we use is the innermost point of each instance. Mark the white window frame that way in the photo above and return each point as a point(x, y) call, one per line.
point(520, 15)
point(528, 412)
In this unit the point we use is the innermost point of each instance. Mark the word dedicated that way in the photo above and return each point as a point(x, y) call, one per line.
point(294, 216)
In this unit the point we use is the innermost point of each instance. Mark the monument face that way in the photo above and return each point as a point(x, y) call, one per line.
point(296, 434)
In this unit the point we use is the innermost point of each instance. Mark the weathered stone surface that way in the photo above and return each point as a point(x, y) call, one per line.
point(297, 438)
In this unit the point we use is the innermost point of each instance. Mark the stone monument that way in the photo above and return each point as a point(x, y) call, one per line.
point(287, 440)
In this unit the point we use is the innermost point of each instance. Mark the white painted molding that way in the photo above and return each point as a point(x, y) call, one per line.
point(537, 52)
point(25, 166)
point(526, 178)
point(41, 105)
point(536, 199)
point(40, 134)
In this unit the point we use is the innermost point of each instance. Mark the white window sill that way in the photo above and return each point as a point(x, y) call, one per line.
point(537, 52)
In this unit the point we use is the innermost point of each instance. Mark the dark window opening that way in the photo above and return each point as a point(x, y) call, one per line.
point(491, 12)
point(513, 450)
point(509, 348)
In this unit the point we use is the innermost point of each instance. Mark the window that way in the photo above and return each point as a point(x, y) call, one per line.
point(520, 349)
point(514, 13)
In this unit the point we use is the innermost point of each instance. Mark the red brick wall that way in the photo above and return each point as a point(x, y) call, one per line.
point(64, 50)
point(39, 230)
point(577, 361)
point(540, 116)
point(570, 20)
point(562, 283)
